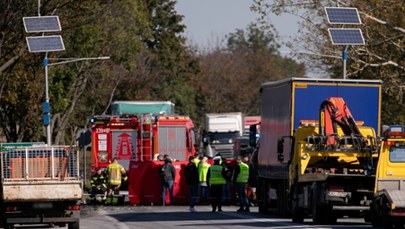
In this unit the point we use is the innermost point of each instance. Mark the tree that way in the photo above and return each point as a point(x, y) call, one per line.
point(166, 68)
point(90, 29)
point(231, 77)
point(381, 57)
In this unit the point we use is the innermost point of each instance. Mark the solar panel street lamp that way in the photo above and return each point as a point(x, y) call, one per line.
point(44, 44)
point(344, 36)
point(343, 15)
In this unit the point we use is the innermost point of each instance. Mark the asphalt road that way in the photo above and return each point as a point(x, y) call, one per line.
point(168, 217)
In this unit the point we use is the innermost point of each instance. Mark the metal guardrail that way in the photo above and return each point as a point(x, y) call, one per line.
point(39, 163)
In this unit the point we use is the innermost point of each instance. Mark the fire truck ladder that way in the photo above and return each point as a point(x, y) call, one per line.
point(146, 138)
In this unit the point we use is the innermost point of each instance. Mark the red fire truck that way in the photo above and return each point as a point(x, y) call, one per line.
point(136, 141)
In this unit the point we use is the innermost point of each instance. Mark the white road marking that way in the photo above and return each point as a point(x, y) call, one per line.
point(117, 223)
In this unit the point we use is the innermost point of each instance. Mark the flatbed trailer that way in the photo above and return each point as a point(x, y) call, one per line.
point(40, 185)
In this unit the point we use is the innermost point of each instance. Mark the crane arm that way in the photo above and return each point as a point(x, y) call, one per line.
point(334, 112)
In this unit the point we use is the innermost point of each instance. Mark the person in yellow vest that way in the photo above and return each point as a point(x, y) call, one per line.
point(240, 179)
point(197, 159)
point(203, 167)
point(216, 181)
point(115, 173)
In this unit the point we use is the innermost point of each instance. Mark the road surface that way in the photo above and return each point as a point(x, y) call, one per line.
point(168, 217)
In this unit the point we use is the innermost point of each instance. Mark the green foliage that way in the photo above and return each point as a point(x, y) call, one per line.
point(231, 77)
point(148, 61)
point(380, 58)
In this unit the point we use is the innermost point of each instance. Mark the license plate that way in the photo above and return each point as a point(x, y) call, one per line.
point(42, 205)
point(338, 194)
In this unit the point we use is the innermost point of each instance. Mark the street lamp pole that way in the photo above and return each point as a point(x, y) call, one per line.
point(46, 105)
point(344, 58)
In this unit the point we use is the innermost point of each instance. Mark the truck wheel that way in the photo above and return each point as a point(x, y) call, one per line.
point(331, 218)
point(262, 197)
point(9, 226)
point(298, 215)
point(74, 225)
point(317, 214)
point(375, 219)
point(386, 222)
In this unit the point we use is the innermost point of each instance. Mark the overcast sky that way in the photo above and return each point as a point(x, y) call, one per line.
point(208, 21)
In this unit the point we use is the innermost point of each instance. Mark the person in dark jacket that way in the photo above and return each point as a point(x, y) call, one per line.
point(226, 193)
point(98, 185)
point(168, 175)
point(192, 181)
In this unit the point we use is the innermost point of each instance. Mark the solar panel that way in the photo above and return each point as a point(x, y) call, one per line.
point(342, 15)
point(45, 43)
point(346, 36)
point(41, 24)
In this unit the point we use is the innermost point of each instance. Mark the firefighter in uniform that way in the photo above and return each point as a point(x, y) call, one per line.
point(98, 185)
point(216, 181)
point(240, 179)
point(115, 173)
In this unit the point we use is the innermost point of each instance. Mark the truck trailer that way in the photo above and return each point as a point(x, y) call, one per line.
point(301, 168)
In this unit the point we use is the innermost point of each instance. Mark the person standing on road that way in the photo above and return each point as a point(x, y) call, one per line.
point(240, 179)
point(192, 181)
point(203, 167)
point(168, 175)
point(226, 194)
point(115, 173)
point(252, 181)
point(216, 181)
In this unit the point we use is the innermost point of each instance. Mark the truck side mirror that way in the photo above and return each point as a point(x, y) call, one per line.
point(280, 150)
point(252, 136)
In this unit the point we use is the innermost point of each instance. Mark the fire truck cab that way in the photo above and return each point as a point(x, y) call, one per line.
point(137, 141)
point(140, 138)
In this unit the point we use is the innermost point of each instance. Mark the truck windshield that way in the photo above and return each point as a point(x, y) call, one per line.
point(224, 137)
point(397, 154)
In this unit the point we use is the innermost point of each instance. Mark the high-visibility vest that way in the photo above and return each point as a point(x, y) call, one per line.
point(114, 172)
point(216, 175)
point(243, 175)
point(203, 170)
point(196, 161)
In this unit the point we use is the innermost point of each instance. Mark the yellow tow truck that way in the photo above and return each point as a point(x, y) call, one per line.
point(388, 205)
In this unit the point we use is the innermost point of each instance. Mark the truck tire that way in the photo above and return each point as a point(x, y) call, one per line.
point(375, 217)
point(9, 226)
point(318, 218)
point(298, 213)
point(319, 215)
point(262, 200)
point(387, 223)
point(74, 225)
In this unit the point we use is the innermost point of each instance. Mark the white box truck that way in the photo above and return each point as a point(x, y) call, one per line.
point(220, 130)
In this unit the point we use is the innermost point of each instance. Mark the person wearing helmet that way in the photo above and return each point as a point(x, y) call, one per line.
point(98, 185)
point(115, 173)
